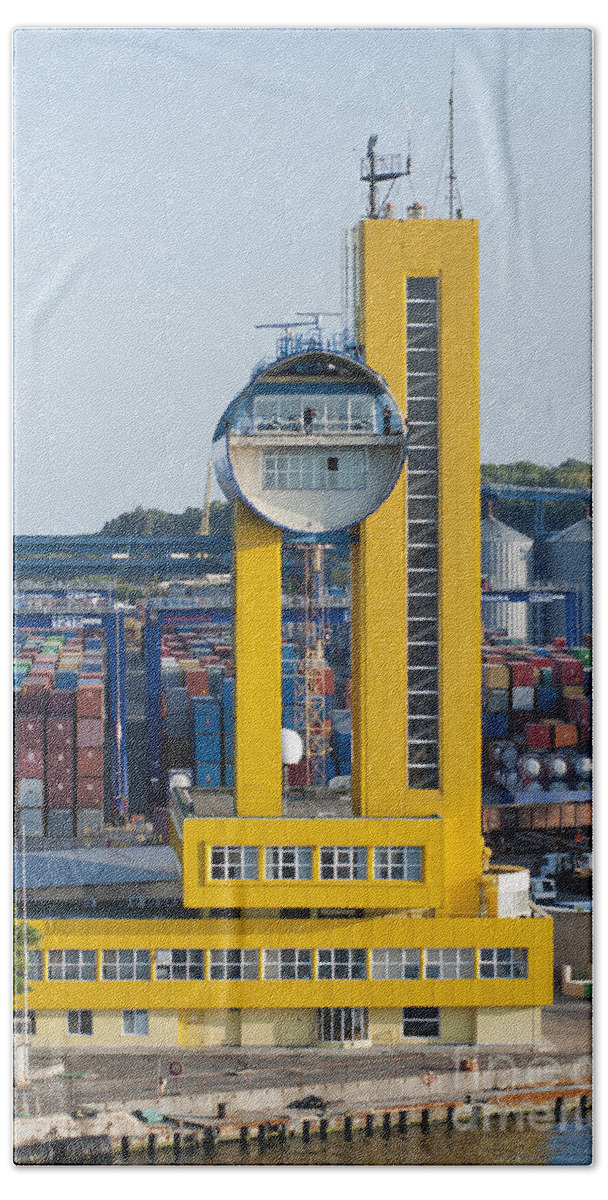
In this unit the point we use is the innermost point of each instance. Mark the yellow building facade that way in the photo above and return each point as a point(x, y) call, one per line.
point(377, 925)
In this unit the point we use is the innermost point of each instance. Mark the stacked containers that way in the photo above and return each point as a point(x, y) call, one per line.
point(207, 741)
point(537, 704)
point(228, 727)
point(63, 685)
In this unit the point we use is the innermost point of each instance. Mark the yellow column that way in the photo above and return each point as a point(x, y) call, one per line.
point(390, 252)
point(257, 650)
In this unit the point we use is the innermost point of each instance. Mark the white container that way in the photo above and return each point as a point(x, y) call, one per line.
point(88, 819)
point(30, 793)
point(522, 699)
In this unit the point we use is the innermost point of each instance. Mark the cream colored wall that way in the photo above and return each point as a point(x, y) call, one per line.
point(457, 1025)
point(508, 1026)
point(52, 1029)
point(277, 1027)
point(385, 1026)
point(221, 1027)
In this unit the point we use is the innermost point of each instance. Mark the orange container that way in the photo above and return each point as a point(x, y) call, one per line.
point(565, 735)
point(89, 701)
point(89, 762)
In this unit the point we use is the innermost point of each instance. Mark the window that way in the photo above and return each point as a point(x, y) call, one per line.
point(420, 1022)
point(497, 963)
point(135, 1022)
point(179, 964)
point(398, 862)
point(288, 964)
point(422, 363)
point(343, 862)
point(395, 964)
point(80, 1021)
point(34, 964)
point(343, 1024)
point(289, 862)
point(314, 470)
point(72, 964)
point(126, 964)
point(450, 964)
point(341, 964)
point(234, 964)
point(234, 862)
point(19, 1022)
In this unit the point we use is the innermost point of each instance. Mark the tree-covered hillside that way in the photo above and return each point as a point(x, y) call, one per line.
point(153, 522)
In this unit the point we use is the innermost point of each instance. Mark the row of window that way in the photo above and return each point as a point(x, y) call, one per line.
point(335, 862)
point(333, 1024)
point(314, 470)
point(287, 964)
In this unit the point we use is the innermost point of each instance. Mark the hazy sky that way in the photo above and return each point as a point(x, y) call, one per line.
point(175, 187)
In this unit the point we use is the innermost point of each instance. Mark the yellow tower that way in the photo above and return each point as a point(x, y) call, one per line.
point(416, 613)
point(372, 917)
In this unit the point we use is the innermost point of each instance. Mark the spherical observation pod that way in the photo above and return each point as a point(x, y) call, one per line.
point(314, 443)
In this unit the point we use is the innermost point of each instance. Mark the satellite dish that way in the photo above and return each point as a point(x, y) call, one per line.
point(292, 747)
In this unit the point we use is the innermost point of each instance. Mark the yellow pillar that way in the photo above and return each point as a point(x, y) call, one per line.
point(390, 252)
point(257, 650)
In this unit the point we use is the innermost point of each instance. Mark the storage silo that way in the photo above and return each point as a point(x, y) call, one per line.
point(569, 564)
point(506, 563)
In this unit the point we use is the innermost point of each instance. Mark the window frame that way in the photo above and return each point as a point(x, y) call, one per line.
point(409, 853)
point(248, 958)
point(280, 852)
point(225, 864)
point(420, 1021)
point(357, 860)
point(414, 962)
point(333, 964)
point(514, 953)
point(136, 1014)
point(461, 962)
point(189, 964)
point(57, 958)
point(303, 962)
point(136, 976)
point(79, 1013)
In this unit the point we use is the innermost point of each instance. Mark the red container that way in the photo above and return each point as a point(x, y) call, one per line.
point(89, 733)
point(197, 682)
point(59, 762)
point(296, 774)
point(59, 733)
point(89, 700)
point(30, 764)
point(522, 674)
point(33, 703)
point(568, 672)
point(89, 762)
point(60, 792)
point(61, 703)
point(35, 683)
point(89, 793)
point(538, 737)
point(30, 733)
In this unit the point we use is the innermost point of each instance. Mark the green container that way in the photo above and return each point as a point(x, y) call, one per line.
point(587, 991)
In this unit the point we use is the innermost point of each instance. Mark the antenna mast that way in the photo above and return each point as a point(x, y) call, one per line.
point(375, 170)
point(452, 175)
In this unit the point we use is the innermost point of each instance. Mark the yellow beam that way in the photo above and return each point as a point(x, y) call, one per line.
point(257, 650)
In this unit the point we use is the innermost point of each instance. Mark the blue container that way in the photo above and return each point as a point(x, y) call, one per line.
point(289, 717)
point(495, 725)
point(176, 699)
point(546, 699)
point(66, 681)
point(288, 694)
point(228, 747)
point(228, 775)
point(92, 643)
point(208, 775)
point(206, 718)
point(176, 725)
point(330, 769)
point(288, 652)
point(208, 748)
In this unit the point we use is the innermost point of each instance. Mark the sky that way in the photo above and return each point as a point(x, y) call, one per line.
point(175, 187)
